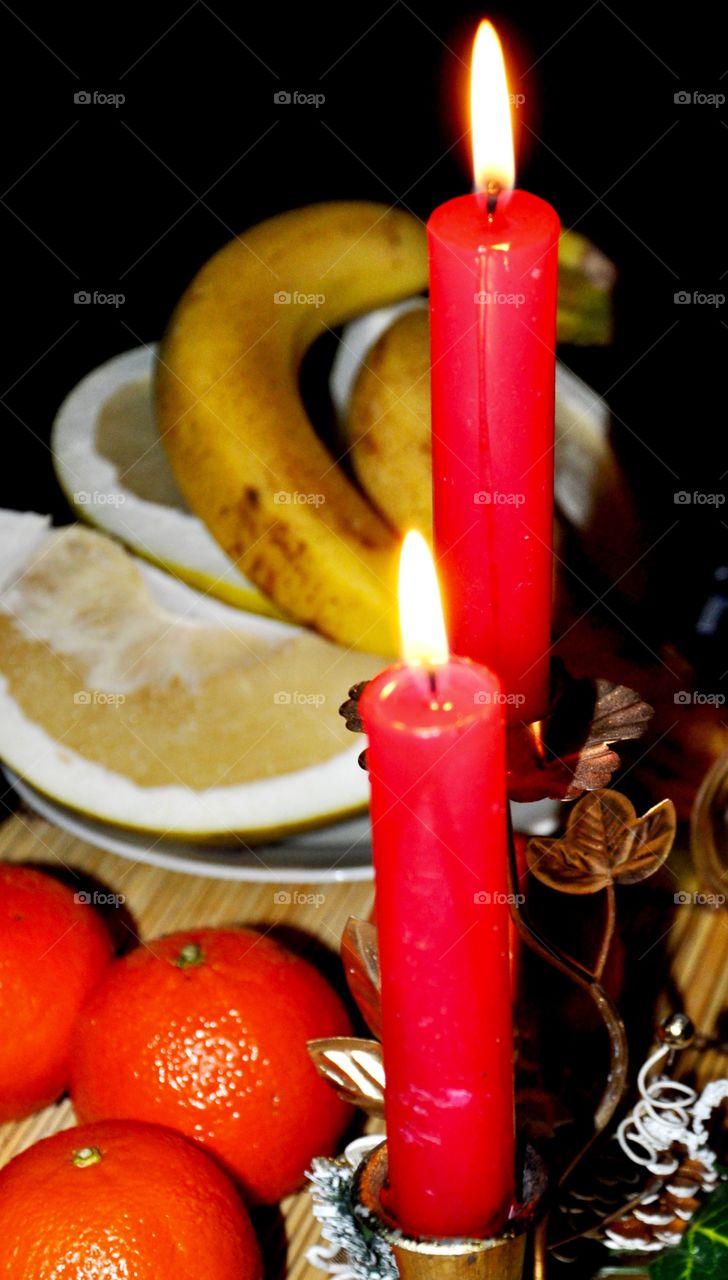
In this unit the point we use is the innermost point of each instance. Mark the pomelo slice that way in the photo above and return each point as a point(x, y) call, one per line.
point(128, 696)
point(113, 469)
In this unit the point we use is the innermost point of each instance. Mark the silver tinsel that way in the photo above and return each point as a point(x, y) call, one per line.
point(352, 1251)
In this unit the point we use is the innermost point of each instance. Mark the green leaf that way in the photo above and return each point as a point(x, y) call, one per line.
point(586, 281)
point(703, 1251)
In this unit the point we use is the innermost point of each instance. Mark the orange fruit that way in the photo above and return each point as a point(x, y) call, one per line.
point(53, 952)
point(205, 1031)
point(122, 1201)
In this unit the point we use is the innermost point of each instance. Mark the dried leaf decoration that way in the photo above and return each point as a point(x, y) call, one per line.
point(605, 843)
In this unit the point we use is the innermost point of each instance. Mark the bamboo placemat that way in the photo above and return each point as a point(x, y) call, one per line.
point(161, 901)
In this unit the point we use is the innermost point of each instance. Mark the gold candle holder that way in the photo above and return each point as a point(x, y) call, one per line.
point(500, 1257)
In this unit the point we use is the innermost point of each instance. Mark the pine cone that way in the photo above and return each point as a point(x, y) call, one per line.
point(662, 1214)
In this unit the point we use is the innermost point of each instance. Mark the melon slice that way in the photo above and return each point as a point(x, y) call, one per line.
point(128, 696)
point(112, 467)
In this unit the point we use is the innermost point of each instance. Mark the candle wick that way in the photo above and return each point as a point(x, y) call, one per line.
point(432, 681)
point(493, 190)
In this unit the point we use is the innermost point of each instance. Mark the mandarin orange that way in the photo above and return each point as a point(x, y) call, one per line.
point(122, 1201)
point(54, 949)
point(205, 1032)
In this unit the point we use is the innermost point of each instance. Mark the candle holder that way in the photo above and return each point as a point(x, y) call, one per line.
point(647, 1203)
point(500, 1257)
point(361, 1241)
point(632, 1188)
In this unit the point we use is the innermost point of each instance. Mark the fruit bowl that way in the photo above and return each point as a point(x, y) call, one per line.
point(113, 467)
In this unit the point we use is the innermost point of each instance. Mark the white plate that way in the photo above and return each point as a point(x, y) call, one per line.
point(339, 853)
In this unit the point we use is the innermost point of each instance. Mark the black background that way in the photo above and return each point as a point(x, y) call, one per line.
point(133, 199)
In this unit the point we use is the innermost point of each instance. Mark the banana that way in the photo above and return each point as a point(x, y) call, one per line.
point(241, 445)
point(388, 424)
point(389, 437)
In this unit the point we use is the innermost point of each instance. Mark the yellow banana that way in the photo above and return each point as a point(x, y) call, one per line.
point(388, 424)
point(242, 447)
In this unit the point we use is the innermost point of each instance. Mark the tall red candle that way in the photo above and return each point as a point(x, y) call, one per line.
point(437, 770)
point(493, 266)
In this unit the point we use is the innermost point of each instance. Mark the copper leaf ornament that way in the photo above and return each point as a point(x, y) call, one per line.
point(604, 843)
point(354, 1068)
point(360, 958)
point(568, 752)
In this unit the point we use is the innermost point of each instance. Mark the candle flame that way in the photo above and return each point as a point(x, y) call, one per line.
point(422, 626)
point(490, 114)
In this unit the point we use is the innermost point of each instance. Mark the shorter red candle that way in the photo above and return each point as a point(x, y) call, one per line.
point(437, 770)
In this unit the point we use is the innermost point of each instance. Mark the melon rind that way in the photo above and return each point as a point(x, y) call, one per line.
point(175, 539)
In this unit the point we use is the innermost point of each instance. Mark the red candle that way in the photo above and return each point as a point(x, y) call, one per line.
point(493, 265)
point(437, 769)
